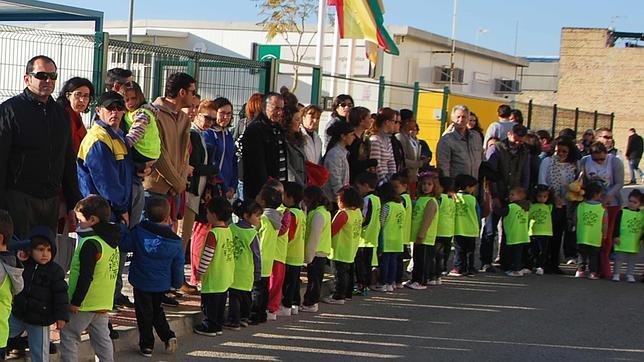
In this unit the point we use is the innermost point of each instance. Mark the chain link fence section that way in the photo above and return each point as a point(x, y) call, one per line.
point(554, 119)
point(73, 54)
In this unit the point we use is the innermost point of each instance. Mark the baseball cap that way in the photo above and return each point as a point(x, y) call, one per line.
point(109, 98)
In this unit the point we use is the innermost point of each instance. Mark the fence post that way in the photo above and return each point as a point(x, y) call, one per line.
point(612, 120)
point(444, 109)
point(100, 50)
point(529, 113)
point(316, 82)
point(415, 101)
point(595, 115)
point(554, 118)
point(265, 77)
point(576, 118)
point(381, 91)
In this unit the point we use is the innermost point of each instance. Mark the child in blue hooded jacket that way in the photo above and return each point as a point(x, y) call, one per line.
point(157, 266)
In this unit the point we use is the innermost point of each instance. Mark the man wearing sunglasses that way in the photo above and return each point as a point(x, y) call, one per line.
point(37, 160)
point(104, 166)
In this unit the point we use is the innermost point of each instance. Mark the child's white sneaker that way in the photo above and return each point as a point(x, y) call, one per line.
point(330, 300)
point(379, 288)
point(630, 279)
point(284, 312)
point(580, 274)
point(389, 287)
point(295, 310)
point(615, 277)
point(526, 271)
point(309, 308)
point(271, 316)
point(539, 271)
point(415, 286)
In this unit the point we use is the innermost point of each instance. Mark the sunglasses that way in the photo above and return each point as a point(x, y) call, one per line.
point(346, 105)
point(44, 75)
point(115, 107)
point(607, 137)
point(599, 160)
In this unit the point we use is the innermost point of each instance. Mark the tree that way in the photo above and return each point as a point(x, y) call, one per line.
point(281, 17)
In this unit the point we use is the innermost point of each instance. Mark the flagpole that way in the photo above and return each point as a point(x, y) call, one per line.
point(334, 54)
point(319, 50)
point(349, 71)
point(451, 56)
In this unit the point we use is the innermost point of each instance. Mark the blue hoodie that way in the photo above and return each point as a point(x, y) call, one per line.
point(221, 153)
point(157, 264)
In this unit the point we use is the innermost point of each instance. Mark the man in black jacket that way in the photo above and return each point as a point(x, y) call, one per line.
point(634, 149)
point(263, 147)
point(37, 161)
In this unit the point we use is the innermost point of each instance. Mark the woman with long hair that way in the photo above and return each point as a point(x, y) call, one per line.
point(381, 148)
point(75, 97)
point(221, 147)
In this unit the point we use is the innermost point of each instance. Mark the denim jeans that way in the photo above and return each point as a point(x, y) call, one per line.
point(634, 164)
point(38, 338)
point(388, 268)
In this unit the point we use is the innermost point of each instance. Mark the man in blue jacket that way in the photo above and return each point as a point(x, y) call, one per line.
point(156, 267)
point(105, 168)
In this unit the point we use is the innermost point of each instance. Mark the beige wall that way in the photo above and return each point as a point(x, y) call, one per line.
point(593, 76)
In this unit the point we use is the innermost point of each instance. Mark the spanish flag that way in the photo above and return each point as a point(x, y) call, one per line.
point(363, 19)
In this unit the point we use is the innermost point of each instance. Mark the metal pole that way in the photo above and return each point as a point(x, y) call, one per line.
point(128, 56)
point(554, 118)
point(595, 115)
point(576, 119)
point(451, 57)
point(612, 120)
point(381, 91)
point(349, 69)
point(415, 100)
point(319, 50)
point(444, 109)
point(334, 56)
point(529, 113)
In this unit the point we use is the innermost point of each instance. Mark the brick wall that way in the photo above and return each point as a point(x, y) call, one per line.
point(593, 76)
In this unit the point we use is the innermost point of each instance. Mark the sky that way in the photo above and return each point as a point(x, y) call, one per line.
point(534, 26)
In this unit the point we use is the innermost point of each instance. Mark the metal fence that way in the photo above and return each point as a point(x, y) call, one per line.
point(73, 54)
point(553, 118)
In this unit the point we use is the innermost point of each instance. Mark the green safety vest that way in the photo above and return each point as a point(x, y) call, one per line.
point(221, 271)
point(324, 246)
point(281, 246)
point(295, 253)
point(267, 241)
point(540, 219)
point(6, 298)
point(393, 228)
point(150, 144)
point(447, 213)
point(466, 219)
point(589, 224)
point(516, 226)
point(417, 220)
point(244, 264)
point(344, 244)
point(100, 295)
point(630, 231)
point(369, 235)
point(407, 225)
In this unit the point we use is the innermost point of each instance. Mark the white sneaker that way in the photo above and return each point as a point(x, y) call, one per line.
point(389, 287)
point(526, 271)
point(433, 282)
point(511, 273)
point(630, 279)
point(309, 308)
point(580, 274)
point(439, 280)
point(539, 271)
point(398, 285)
point(295, 310)
point(379, 288)
point(616, 277)
point(284, 312)
point(571, 262)
point(415, 286)
point(330, 300)
point(271, 316)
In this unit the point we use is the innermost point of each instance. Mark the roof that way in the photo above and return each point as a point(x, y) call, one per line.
point(426, 36)
point(33, 10)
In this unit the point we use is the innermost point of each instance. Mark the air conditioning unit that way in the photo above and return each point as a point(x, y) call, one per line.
point(507, 86)
point(442, 75)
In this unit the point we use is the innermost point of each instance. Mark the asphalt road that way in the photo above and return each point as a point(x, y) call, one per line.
point(487, 317)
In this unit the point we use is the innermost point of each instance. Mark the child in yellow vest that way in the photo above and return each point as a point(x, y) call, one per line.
point(269, 199)
point(592, 225)
point(10, 279)
point(391, 239)
point(516, 229)
point(627, 235)
point(466, 225)
point(216, 269)
point(424, 224)
point(293, 193)
point(247, 262)
point(445, 230)
point(92, 280)
point(317, 244)
point(400, 182)
point(345, 236)
point(366, 183)
point(540, 216)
